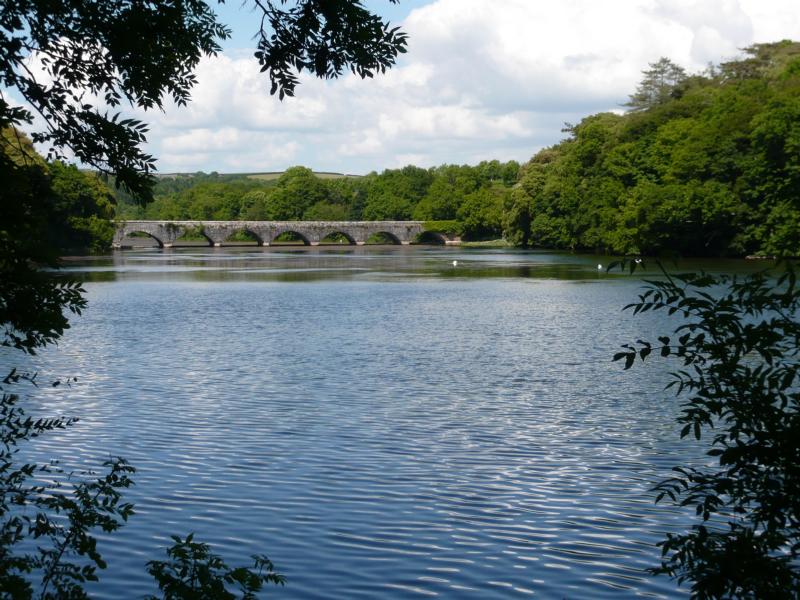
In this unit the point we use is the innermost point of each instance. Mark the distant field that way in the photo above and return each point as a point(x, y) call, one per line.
point(320, 174)
point(268, 176)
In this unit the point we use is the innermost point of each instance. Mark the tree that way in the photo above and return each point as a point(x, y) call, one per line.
point(253, 206)
point(324, 37)
point(296, 190)
point(739, 349)
point(482, 212)
point(48, 517)
point(67, 60)
point(75, 62)
point(394, 193)
point(82, 209)
point(759, 60)
point(709, 168)
point(59, 515)
point(440, 202)
point(32, 303)
point(325, 211)
point(660, 82)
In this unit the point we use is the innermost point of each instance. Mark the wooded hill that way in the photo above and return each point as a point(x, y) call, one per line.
point(705, 165)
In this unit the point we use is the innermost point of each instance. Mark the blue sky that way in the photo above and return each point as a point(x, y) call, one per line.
point(482, 80)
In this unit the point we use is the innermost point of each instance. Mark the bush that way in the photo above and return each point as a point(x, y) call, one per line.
point(193, 572)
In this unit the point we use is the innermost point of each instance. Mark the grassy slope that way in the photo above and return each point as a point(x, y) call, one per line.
point(268, 176)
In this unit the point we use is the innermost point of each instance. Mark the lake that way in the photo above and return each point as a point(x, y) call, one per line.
point(379, 422)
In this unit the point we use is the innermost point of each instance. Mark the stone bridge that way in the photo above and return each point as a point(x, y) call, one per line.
point(165, 233)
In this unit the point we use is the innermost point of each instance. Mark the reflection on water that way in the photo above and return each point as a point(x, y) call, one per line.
point(380, 423)
point(360, 263)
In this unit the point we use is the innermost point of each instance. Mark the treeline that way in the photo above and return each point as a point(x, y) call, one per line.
point(705, 165)
point(475, 196)
point(61, 207)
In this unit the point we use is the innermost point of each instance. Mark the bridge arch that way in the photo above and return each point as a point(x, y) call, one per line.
point(256, 237)
point(388, 235)
point(431, 237)
point(279, 232)
point(130, 232)
point(189, 233)
point(327, 233)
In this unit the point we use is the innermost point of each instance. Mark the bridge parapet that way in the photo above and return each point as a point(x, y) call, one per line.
point(312, 232)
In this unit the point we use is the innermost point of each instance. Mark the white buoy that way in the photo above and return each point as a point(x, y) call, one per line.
point(455, 263)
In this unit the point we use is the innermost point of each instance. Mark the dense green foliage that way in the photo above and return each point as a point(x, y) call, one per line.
point(738, 348)
point(120, 52)
point(82, 210)
point(90, 55)
point(325, 38)
point(474, 196)
point(70, 209)
point(48, 517)
point(32, 303)
point(707, 165)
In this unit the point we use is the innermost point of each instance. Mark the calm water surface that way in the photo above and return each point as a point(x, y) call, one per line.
point(378, 422)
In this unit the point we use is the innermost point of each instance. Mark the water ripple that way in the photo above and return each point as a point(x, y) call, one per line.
point(383, 437)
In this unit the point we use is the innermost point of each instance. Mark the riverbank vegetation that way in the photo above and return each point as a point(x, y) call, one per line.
point(699, 164)
point(71, 209)
point(704, 165)
point(49, 516)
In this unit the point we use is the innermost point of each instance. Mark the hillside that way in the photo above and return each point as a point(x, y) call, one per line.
point(702, 165)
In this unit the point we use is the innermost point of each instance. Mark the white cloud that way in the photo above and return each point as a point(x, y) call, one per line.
point(228, 149)
point(481, 80)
